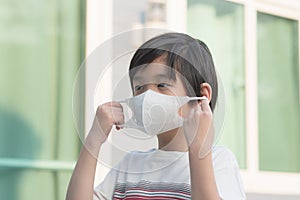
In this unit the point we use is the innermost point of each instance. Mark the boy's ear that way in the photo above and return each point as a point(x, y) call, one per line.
point(206, 91)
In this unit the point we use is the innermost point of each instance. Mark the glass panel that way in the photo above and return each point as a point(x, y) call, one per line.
point(41, 44)
point(278, 93)
point(220, 25)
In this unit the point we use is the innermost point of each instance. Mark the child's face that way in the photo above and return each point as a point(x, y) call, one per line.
point(155, 77)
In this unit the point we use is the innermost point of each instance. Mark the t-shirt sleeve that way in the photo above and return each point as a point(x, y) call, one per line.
point(105, 189)
point(227, 174)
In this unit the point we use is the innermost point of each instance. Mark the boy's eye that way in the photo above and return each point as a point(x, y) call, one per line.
point(138, 87)
point(162, 85)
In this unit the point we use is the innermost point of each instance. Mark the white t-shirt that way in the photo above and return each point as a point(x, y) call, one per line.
point(158, 174)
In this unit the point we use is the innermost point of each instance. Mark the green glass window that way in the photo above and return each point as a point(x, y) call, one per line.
point(278, 93)
point(41, 48)
point(220, 25)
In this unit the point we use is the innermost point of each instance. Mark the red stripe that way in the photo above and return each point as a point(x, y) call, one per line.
point(136, 197)
point(142, 189)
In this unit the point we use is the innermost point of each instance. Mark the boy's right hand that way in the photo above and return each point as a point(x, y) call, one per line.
point(82, 182)
point(107, 115)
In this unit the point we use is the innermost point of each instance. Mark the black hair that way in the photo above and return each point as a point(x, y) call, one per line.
point(190, 57)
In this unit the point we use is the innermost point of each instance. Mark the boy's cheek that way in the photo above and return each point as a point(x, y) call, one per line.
point(184, 111)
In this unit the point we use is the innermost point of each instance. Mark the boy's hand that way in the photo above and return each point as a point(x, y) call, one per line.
point(198, 129)
point(107, 115)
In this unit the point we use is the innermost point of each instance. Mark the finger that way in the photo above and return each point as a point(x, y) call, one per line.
point(117, 106)
point(117, 113)
point(109, 107)
point(113, 104)
point(205, 105)
point(118, 118)
point(116, 110)
point(198, 107)
point(190, 115)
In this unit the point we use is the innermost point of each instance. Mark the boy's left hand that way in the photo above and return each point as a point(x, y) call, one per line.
point(198, 129)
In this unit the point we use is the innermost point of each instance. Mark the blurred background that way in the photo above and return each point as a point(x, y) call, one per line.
point(255, 45)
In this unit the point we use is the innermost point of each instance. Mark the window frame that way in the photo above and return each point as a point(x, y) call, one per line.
point(256, 180)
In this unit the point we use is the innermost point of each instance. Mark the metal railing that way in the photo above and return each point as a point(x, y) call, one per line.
point(37, 164)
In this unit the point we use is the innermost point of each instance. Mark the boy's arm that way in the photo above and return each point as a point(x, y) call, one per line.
point(203, 182)
point(81, 185)
point(200, 140)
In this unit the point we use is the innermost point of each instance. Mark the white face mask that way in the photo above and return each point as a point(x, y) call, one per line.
point(155, 113)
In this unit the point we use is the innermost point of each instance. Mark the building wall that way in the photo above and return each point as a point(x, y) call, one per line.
point(41, 48)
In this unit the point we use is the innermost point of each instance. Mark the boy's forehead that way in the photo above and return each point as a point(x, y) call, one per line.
point(158, 70)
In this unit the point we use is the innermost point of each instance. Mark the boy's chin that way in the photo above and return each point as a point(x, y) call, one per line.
point(172, 132)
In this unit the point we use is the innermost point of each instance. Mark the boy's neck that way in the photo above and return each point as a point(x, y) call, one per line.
point(173, 140)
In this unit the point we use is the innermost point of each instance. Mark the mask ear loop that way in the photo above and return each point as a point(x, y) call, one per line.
point(186, 99)
point(198, 98)
point(194, 99)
